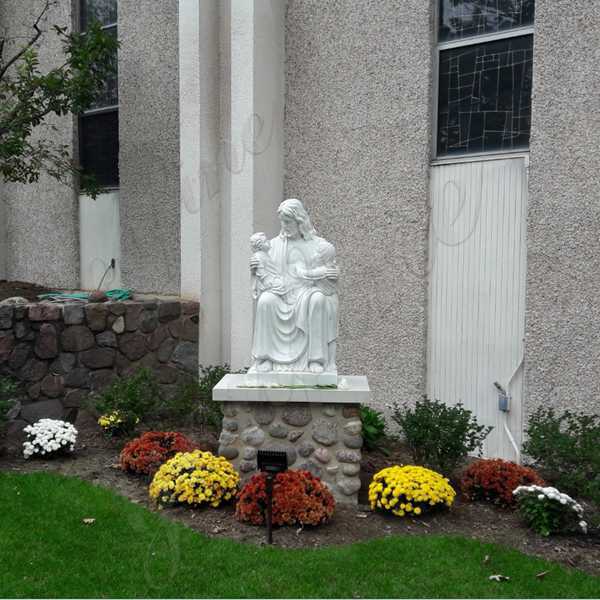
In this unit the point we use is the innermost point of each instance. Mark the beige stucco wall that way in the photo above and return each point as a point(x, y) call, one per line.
point(357, 133)
point(562, 365)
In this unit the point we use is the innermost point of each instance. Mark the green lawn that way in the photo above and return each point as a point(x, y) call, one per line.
point(46, 550)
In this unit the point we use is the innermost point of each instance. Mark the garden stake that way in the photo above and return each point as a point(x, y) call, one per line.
point(269, 508)
point(271, 462)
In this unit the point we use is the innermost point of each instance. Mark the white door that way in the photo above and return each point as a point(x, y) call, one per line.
point(477, 293)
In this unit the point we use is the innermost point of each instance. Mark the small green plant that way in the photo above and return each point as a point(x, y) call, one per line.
point(8, 390)
point(373, 428)
point(133, 399)
point(566, 448)
point(440, 436)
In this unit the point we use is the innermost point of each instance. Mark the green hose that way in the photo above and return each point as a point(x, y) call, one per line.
point(116, 295)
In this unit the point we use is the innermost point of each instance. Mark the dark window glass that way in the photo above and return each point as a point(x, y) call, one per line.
point(99, 146)
point(109, 95)
point(104, 11)
point(484, 101)
point(464, 18)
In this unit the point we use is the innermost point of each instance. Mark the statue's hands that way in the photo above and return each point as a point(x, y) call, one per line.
point(332, 273)
point(253, 264)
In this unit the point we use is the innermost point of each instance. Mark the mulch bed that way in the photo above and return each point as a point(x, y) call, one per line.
point(9, 289)
point(96, 461)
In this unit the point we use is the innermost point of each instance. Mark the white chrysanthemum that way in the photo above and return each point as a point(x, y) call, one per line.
point(47, 436)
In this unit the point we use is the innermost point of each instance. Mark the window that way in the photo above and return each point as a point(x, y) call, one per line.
point(485, 66)
point(99, 126)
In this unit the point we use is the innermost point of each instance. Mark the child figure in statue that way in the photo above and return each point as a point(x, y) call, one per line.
point(266, 276)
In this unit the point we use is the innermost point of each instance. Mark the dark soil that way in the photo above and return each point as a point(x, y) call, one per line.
point(9, 289)
point(96, 461)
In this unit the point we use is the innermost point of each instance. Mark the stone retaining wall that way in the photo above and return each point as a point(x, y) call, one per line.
point(324, 439)
point(63, 351)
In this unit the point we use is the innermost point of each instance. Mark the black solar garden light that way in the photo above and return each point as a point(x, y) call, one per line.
point(271, 462)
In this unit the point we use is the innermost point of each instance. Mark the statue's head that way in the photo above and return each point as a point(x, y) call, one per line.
point(295, 220)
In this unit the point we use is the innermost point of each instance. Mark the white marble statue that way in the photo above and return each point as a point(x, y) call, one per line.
point(294, 284)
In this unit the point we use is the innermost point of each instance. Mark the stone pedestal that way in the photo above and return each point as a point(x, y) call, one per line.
point(319, 429)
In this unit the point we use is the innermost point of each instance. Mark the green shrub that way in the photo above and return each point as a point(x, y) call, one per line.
point(567, 448)
point(440, 436)
point(373, 427)
point(135, 397)
point(8, 390)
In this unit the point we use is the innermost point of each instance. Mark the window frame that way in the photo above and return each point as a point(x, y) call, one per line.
point(439, 47)
point(99, 110)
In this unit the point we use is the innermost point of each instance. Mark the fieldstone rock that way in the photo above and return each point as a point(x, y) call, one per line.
point(315, 469)
point(19, 355)
point(44, 311)
point(322, 455)
point(228, 452)
point(34, 391)
point(227, 439)
point(77, 338)
point(6, 316)
point(297, 415)
point(21, 310)
point(190, 307)
point(176, 328)
point(46, 343)
point(150, 304)
point(149, 321)
point(13, 412)
point(348, 456)
point(325, 432)
point(246, 466)
point(106, 339)
point(78, 378)
point(305, 449)
point(14, 300)
point(157, 337)
point(329, 410)
point(33, 370)
point(21, 329)
point(98, 358)
point(7, 342)
point(278, 430)
point(121, 362)
point(351, 410)
point(353, 441)
point(166, 374)
point(43, 409)
point(64, 363)
point(249, 453)
point(229, 411)
point(101, 379)
point(133, 312)
point(353, 427)
point(116, 308)
point(14, 435)
point(119, 325)
point(348, 486)
point(74, 399)
point(53, 386)
point(230, 424)
point(253, 436)
point(166, 349)
point(189, 329)
point(264, 413)
point(96, 316)
point(133, 345)
point(186, 356)
point(73, 314)
point(97, 296)
point(295, 435)
point(167, 311)
point(350, 469)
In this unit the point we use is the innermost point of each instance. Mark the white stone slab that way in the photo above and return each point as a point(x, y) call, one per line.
point(353, 389)
point(273, 378)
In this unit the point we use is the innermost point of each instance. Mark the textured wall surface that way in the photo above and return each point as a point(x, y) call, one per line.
point(563, 296)
point(149, 145)
point(42, 243)
point(357, 130)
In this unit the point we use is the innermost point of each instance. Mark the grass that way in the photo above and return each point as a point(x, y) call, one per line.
point(46, 550)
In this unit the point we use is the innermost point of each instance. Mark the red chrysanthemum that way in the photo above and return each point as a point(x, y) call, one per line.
point(299, 498)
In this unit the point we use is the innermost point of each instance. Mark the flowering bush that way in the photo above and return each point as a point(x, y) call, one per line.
point(494, 480)
point(409, 490)
point(146, 453)
point(298, 498)
point(118, 422)
point(549, 511)
point(194, 478)
point(49, 437)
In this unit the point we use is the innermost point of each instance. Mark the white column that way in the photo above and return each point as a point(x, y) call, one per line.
point(199, 143)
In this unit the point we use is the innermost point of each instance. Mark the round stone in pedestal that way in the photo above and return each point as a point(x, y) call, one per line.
point(278, 430)
point(353, 427)
point(325, 432)
point(348, 486)
point(297, 415)
point(322, 455)
point(253, 436)
point(353, 441)
point(305, 449)
point(348, 456)
point(228, 452)
point(249, 453)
